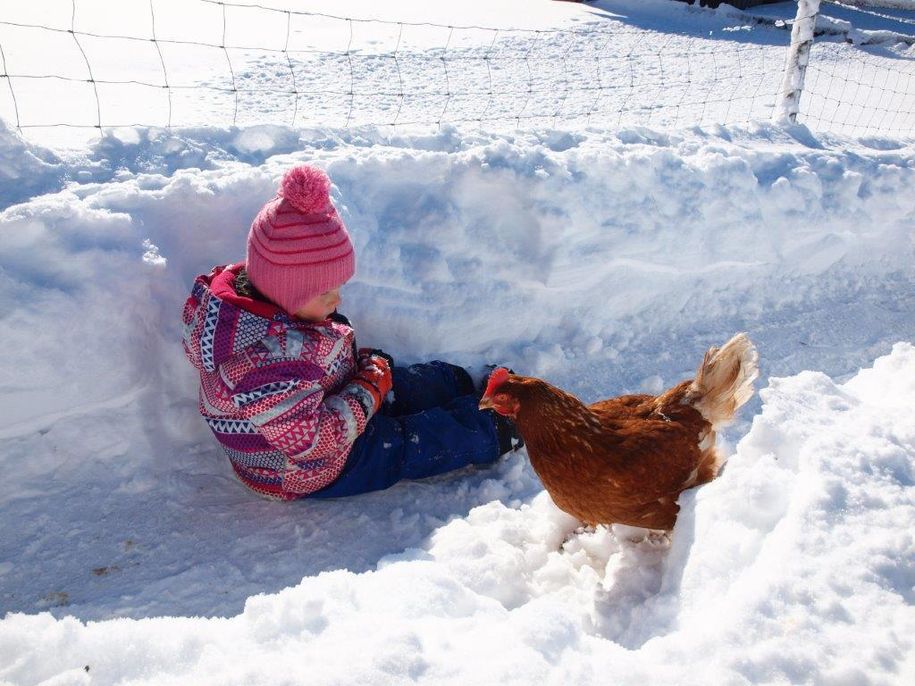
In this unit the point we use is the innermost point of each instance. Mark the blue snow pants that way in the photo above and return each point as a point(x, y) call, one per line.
point(432, 426)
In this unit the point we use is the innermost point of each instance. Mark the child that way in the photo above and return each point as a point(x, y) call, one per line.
point(298, 409)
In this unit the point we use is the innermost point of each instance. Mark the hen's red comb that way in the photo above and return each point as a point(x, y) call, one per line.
point(498, 377)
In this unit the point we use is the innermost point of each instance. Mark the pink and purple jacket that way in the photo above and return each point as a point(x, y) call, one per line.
point(277, 392)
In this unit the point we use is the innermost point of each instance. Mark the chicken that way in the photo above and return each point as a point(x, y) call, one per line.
point(626, 460)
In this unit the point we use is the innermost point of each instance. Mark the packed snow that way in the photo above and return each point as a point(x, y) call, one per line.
point(603, 259)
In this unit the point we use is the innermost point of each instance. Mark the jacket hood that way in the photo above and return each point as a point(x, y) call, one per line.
point(219, 323)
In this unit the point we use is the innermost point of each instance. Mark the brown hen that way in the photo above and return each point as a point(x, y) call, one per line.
point(626, 460)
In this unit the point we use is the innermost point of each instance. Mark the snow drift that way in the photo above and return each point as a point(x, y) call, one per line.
point(604, 262)
point(791, 567)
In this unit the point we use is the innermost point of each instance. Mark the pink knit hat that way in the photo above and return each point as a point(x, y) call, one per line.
point(298, 246)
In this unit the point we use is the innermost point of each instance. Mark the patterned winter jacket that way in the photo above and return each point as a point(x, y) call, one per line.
point(274, 390)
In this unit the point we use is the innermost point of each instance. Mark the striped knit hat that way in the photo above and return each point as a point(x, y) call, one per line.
point(298, 246)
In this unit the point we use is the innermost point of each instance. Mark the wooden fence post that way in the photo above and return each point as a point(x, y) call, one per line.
point(789, 97)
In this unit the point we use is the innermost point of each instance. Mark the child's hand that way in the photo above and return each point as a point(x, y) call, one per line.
point(368, 352)
point(374, 375)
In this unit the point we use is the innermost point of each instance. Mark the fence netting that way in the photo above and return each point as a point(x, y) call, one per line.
point(100, 64)
point(860, 90)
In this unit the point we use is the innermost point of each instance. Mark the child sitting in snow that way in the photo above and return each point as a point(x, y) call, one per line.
point(298, 408)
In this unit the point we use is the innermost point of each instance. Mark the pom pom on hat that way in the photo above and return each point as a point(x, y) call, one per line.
point(306, 188)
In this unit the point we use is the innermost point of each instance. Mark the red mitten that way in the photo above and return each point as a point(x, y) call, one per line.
point(374, 375)
point(368, 352)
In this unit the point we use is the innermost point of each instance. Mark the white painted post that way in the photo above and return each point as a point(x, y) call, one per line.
point(789, 97)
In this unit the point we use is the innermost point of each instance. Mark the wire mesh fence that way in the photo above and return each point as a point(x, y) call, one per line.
point(222, 63)
point(859, 91)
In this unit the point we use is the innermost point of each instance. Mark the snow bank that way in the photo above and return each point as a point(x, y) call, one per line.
point(794, 566)
point(555, 253)
point(606, 263)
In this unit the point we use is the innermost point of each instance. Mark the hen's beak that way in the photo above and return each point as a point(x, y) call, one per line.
point(486, 403)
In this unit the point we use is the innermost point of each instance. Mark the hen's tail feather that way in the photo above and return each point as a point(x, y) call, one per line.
point(724, 381)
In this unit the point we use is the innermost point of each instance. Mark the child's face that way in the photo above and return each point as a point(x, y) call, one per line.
point(319, 307)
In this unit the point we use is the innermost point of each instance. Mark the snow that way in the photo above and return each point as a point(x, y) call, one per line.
point(604, 259)
point(495, 65)
point(776, 573)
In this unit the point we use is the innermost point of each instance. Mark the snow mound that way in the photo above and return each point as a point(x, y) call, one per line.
point(604, 262)
point(602, 245)
point(775, 573)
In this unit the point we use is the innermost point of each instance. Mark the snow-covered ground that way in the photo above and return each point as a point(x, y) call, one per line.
point(605, 259)
point(794, 567)
point(496, 65)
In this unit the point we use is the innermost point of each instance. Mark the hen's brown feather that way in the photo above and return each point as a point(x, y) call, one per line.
point(627, 459)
